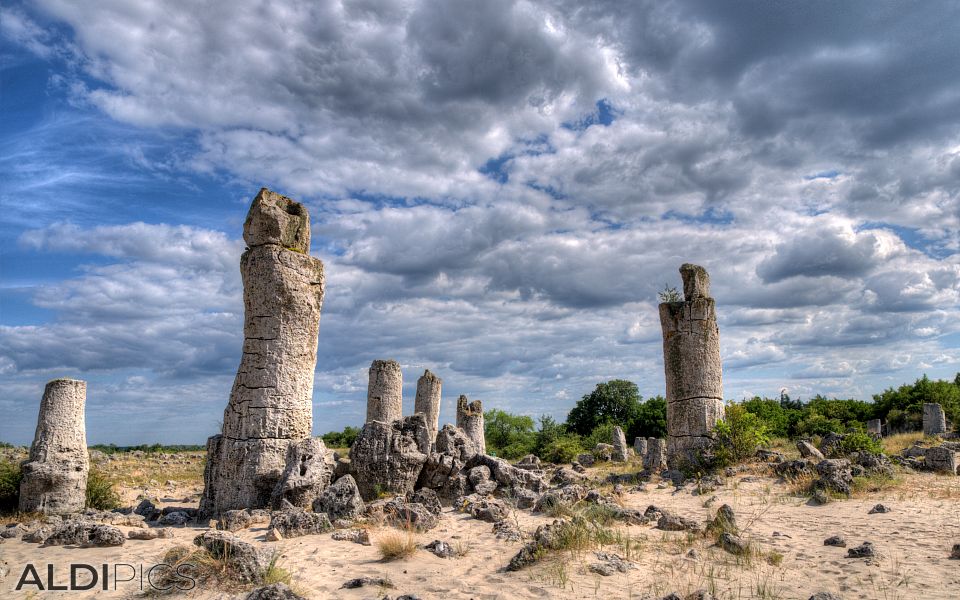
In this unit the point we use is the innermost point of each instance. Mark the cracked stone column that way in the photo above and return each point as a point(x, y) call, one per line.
point(271, 402)
point(694, 376)
point(55, 475)
point(934, 421)
point(428, 401)
point(385, 392)
point(470, 420)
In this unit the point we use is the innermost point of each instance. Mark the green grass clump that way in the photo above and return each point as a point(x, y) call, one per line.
point(100, 491)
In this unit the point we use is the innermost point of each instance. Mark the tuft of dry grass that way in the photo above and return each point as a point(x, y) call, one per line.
point(394, 545)
point(895, 444)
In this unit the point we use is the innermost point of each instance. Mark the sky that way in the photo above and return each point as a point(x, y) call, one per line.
point(498, 190)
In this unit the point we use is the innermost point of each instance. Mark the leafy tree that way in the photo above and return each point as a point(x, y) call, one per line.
point(341, 439)
point(651, 420)
point(508, 435)
point(616, 401)
point(908, 401)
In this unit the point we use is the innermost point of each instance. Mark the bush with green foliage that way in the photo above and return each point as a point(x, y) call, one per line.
point(341, 439)
point(903, 408)
point(859, 441)
point(563, 449)
point(738, 436)
point(100, 492)
point(601, 434)
point(10, 477)
point(508, 435)
point(616, 401)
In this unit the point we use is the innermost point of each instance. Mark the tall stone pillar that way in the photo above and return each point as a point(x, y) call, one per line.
point(691, 361)
point(271, 402)
point(428, 401)
point(55, 475)
point(934, 421)
point(385, 392)
point(470, 420)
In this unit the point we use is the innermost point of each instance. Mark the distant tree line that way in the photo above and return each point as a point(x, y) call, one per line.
point(619, 403)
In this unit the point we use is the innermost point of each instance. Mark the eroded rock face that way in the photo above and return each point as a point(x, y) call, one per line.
point(640, 447)
point(271, 401)
point(934, 420)
point(655, 460)
point(428, 401)
point(55, 475)
point(306, 475)
point(388, 457)
point(470, 420)
point(940, 459)
point(694, 376)
point(385, 391)
point(341, 500)
point(619, 442)
point(249, 562)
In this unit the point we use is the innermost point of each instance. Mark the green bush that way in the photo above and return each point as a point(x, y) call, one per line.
point(100, 492)
point(601, 434)
point(341, 439)
point(10, 476)
point(738, 436)
point(859, 441)
point(817, 424)
point(616, 401)
point(508, 435)
point(562, 449)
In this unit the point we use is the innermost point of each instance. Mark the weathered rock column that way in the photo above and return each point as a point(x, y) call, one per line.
point(428, 401)
point(470, 420)
point(619, 442)
point(385, 392)
point(640, 446)
point(55, 475)
point(271, 401)
point(691, 357)
point(934, 421)
point(655, 459)
point(875, 427)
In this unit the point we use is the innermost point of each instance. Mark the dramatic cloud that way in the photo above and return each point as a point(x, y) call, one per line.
point(498, 191)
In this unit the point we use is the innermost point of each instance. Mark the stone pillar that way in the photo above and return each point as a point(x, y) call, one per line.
point(655, 459)
point(428, 401)
point(385, 392)
point(271, 404)
point(470, 420)
point(691, 357)
point(934, 421)
point(55, 475)
point(640, 447)
point(875, 427)
point(619, 442)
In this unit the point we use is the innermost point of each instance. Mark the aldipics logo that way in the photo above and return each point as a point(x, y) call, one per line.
point(107, 576)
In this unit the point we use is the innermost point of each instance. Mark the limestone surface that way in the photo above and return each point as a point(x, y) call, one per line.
point(470, 420)
point(306, 475)
point(55, 475)
point(934, 421)
point(619, 442)
point(271, 401)
point(656, 458)
point(388, 457)
point(428, 401)
point(385, 391)
point(694, 378)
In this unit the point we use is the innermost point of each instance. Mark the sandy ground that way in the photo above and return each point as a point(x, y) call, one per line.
point(915, 540)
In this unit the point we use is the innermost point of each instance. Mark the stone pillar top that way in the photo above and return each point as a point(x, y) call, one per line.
point(696, 282)
point(277, 220)
point(427, 375)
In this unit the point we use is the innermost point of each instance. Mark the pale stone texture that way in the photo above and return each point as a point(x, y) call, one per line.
point(656, 458)
point(55, 475)
point(940, 459)
point(271, 401)
point(385, 391)
point(875, 426)
point(428, 401)
point(470, 420)
point(388, 457)
point(934, 421)
point(640, 446)
point(694, 378)
point(306, 474)
point(619, 442)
